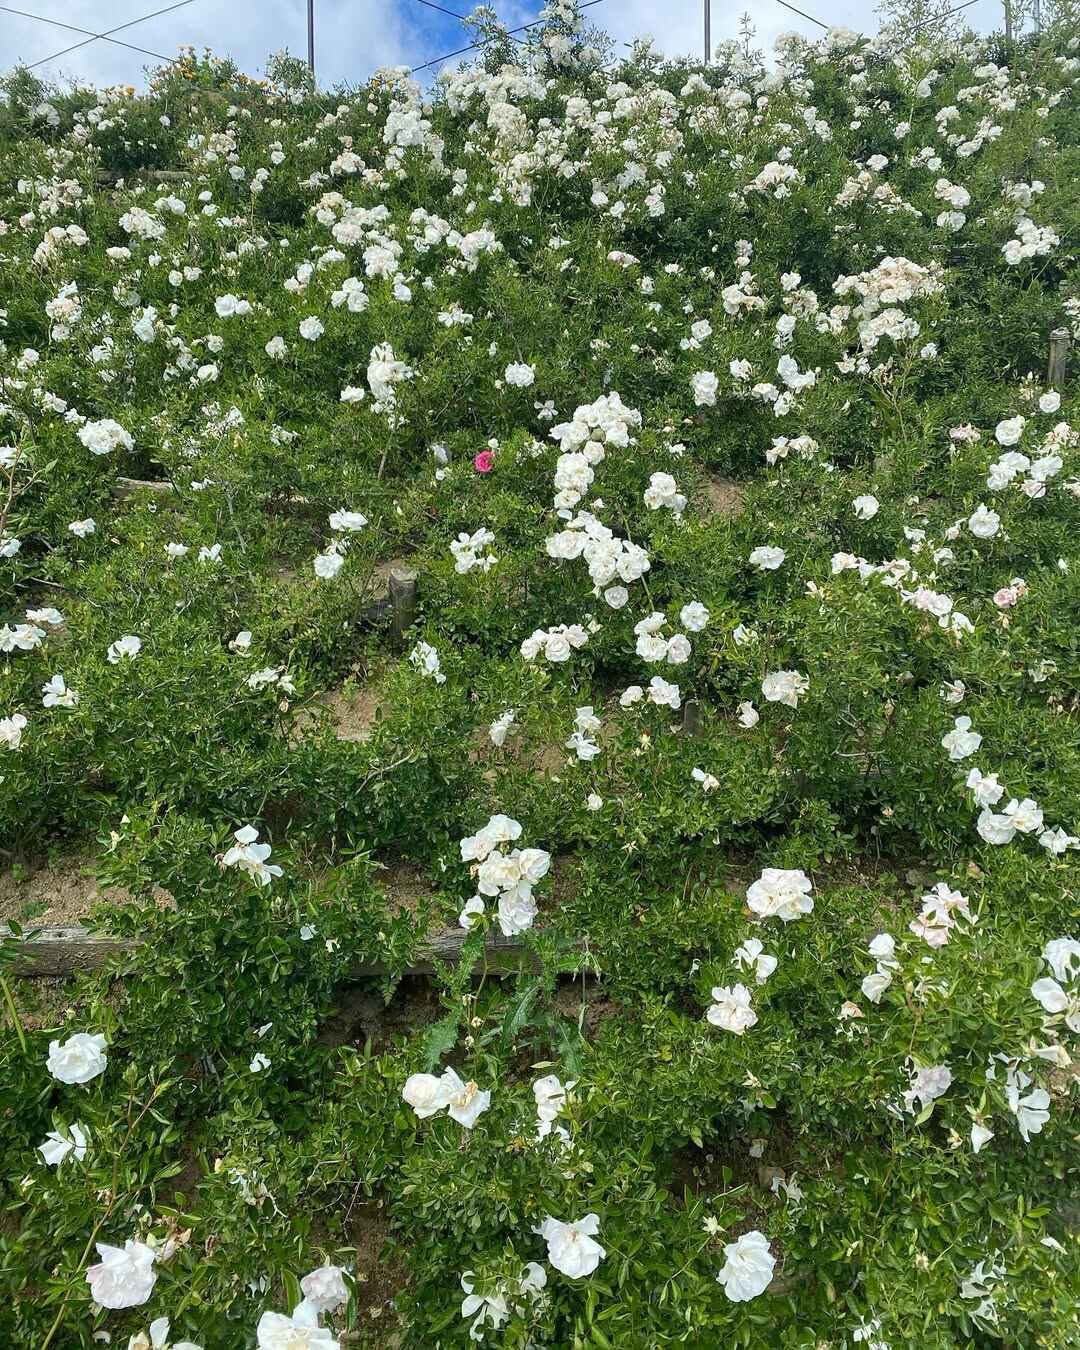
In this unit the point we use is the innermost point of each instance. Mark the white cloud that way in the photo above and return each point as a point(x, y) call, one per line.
point(677, 26)
point(353, 37)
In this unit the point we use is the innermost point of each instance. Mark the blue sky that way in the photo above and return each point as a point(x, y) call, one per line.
point(354, 36)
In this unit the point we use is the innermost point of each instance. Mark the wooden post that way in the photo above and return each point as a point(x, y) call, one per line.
point(691, 718)
point(1060, 340)
point(402, 587)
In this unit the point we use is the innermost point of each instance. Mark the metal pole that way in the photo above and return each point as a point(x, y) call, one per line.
point(708, 30)
point(311, 35)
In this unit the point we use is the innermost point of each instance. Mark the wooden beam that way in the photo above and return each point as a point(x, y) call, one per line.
point(122, 488)
point(62, 951)
point(55, 951)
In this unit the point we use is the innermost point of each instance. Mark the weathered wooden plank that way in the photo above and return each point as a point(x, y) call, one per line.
point(122, 488)
point(110, 177)
point(63, 950)
point(53, 951)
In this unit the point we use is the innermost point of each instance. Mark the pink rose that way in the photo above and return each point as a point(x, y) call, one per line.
point(1005, 598)
point(484, 462)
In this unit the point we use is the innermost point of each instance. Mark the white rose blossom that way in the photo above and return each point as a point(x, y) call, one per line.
point(79, 1059)
point(730, 1009)
point(782, 893)
point(748, 1268)
point(124, 1277)
point(58, 1146)
point(572, 1247)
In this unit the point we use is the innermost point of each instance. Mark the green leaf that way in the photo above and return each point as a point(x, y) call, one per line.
point(517, 1015)
point(441, 1039)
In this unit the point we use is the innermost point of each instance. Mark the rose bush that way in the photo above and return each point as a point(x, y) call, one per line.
point(710, 405)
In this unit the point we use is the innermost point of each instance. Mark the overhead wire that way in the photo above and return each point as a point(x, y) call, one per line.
point(461, 51)
point(97, 37)
point(115, 42)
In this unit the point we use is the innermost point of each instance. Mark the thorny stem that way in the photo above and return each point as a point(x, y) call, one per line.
point(132, 1126)
point(17, 1021)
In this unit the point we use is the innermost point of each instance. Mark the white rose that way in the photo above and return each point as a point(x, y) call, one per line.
point(767, 558)
point(517, 910)
point(781, 893)
point(731, 1009)
point(57, 1147)
point(534, 864)
point(784, 686)
point(678, 650)
point(748, 1269)
point(983, 523)
point(557, 648)
point(325, 1288)
point(1062, 955)
point(961, 741)
point(80, 1058)
point(993, 828)
point(704, 386)
point(571, 1246)
point(875, 985)
point(1009, 431)
point(498, 873)
point(465, 1102)
point(301, 1331)
point(425, 1093)
point(125, 1276)
point(328, 565)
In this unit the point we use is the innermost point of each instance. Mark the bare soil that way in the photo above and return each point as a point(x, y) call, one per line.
point(379, 1278)
point(724, 496)
point(405, 886)
point(57, 891)
point(360, 1014)
point(41, 1003)
point(573, 995)
point(353, 711)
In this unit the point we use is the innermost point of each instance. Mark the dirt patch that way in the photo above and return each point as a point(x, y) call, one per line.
point(380, 1277)
point(187, 1179)
point(356, 1231)
point(42, 1003)
point(58, 892)
point(711, 1170)
point(585, 992)
point(547, 760)
point(723, 496)
point(361, 1016)
point(406, 887)
point(61, 891)
point(562, 884)
point(353, 711)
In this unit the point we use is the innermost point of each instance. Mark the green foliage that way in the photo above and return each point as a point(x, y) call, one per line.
point(619, 199)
